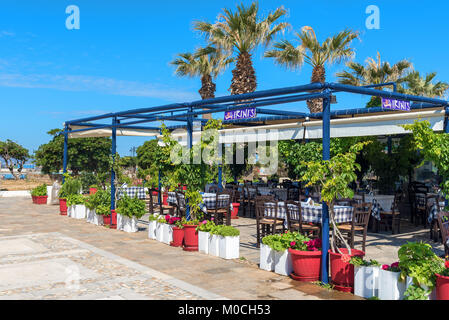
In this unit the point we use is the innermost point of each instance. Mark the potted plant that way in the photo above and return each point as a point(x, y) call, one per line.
point(279, 258)
point(366, 277)
point(102, 200)
point(39, 194)
point(306, 258)
point(161, 221)
point(213, 245)
point(71, 186)
point(391, 287)
point(152, 226)
point(442, 282)
point(129, 210)
point(105, 212)
point(77, 204)
point(419, 264)
point(204, 235)
point(333, 177)
point(195, 199)
point(90, 209)
point(229, 242)
point(178, 232)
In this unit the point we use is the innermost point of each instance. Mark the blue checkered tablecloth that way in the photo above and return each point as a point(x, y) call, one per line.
point(132, 192)
point(209, 200)
point(312, 214)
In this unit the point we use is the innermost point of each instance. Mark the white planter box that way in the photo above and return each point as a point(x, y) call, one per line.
point(90, 215)
point(152, 229)
point(390, 288)
point(70, 211)
point(214, 246)
point(167, 233)
point(98, 220)
point(366, 281)
point(203, 241)
point(128, 224)
point(119, 222)
point(229, 247)
point(266, 259)
point(283, 263)
point(49, 194)
point(79, 211)
point(159, 231)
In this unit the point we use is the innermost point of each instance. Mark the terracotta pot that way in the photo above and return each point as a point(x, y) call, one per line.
point(190, 238)
point(342, 273)
point(93, 191)
point(164, 199)
point(33, 198)
point(442, 287)
point(306, 265)
point(235, 210)
point(113, 219)
point(107, 220)
point(178, 237)
point(41, 199)
point(63, 207)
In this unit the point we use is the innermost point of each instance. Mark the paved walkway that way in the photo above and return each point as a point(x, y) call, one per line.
point(47, 256)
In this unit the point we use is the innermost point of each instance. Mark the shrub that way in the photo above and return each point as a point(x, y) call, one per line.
point(131, 207)
point(40, 191)
point(75, 199)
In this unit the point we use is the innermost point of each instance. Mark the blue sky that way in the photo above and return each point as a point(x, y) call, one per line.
point(119, 58)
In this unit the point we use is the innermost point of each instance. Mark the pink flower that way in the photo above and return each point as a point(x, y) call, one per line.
point(385, 267)
point(395, 265)
point(204, 222)
point(446, 264)
point(345, 258)
point(292, 244)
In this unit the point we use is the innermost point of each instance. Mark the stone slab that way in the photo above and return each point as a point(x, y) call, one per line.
point(20, 246)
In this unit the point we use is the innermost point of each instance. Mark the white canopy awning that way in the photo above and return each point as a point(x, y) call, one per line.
point(108, 132)
point(368, 125)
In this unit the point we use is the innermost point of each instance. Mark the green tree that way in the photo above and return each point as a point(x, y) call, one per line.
point(416, 85)
point(206, 63)
point(241, 32)
point(84, 154)
point(14, 155)
point(374, 72)
point(333, 50)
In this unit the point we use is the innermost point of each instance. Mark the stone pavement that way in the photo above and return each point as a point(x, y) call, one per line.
point(45, 255)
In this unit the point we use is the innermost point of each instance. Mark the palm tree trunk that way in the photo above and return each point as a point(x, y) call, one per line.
point(244, 75)
point(207, 91)
point(318, 75)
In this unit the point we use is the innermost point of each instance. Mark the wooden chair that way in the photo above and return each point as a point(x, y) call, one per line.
point(222, 208)
point(181, 207)
point(267, 221)
point(391, 219)
point(443, 224)
point(295, 221)
point(163, 208)
point(293, 193)
point(418, 199)
point(249, 199)
point(359, 223)
point(213, 189)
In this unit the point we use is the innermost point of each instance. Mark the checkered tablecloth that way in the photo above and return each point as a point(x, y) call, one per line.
point(434, 211)
point(209, 200)
point(311, 213)
point(132, 192)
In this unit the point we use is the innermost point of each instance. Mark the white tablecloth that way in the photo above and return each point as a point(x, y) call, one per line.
point(385, 201)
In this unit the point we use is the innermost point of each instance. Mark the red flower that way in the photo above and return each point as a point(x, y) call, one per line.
point(385, 267)
point(446, 264)
point(292, 244)
point(395, 265)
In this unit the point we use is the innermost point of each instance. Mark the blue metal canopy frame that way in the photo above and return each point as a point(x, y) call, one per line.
point(189, 111)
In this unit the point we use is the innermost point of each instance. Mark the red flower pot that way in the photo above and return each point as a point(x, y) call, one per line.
point(63, 207)
point(178, 237)
point(113, 219)
point(190, 238)
point(41, 199)
point(442, 287)
point(306, 265)
point(107, 220)
point(235, 210)
point(33, 198)
point(342, 272)
point(92, 191)
point(165, 198)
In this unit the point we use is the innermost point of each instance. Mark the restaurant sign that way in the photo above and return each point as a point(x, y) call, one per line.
point(393, 104)
point(247, 113)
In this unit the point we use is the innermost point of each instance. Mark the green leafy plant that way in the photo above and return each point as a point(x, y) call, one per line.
point(102, 202)
point(415, 292)
point(75, 199)
point(153, 217)
point(39, 191)
point(131, 207)
point(206, 226)
point(71, 186)
point(418, 261)
point(323, 285)
point(225, 231)
point(360, 262)
point(283, 241)
point(333, 178)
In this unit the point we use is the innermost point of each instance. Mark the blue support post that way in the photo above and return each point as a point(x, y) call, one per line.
point(190, 144)
point(220, 177)
point(159, 186)
point(66, 153)
point(446, 130)
point(113, 152)
point(325, 217)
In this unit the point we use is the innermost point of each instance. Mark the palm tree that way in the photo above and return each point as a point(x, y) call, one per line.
point(333, 50)
point(375, 72)
point(423, 86)
point(242, 31)
point(206, 63)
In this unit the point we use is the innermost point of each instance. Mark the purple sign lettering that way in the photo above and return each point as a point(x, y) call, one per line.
point(240, 114)
point(393, 104)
